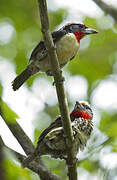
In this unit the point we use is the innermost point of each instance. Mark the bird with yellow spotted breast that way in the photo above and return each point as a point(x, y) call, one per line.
point(67, 42)
point(52, 140)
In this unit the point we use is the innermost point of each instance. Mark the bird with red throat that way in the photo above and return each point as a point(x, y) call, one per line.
point(67, 43)
point(52, 139)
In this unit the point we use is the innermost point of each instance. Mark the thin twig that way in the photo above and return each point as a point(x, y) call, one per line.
point(108, 9)
point(17, 131)
point(63, 105)
point(95, 149)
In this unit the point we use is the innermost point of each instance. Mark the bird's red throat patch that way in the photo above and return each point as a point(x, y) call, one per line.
point(80, 114)
point(79, 35)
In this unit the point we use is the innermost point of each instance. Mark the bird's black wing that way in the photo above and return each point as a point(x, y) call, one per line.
point(57, 123)
point(57, 35)
point(40, 50)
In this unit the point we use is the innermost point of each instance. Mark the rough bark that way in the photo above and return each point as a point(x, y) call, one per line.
point(58, 79)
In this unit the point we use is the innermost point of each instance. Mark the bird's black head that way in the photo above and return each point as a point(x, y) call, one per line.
point(80, 30)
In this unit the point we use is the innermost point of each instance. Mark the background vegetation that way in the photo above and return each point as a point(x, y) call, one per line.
point(95, 66)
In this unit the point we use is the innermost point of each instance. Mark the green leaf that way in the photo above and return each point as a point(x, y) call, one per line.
point(15, 172)
point(7, 114)
point(90, 165)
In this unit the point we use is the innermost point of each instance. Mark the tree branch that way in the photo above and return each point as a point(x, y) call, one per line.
point(17, 131)
point(107, 9)
point(36, 166)
point(63, 105)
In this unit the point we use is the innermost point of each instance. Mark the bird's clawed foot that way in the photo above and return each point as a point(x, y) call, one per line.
point(77, 160)
point(27, 161)
point(49, 73)
point(60, 82)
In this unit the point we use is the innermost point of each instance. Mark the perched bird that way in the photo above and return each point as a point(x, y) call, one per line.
point(52, 140)
point(67, 42)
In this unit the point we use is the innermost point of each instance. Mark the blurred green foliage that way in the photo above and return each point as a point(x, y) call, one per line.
point(7, 113)
point(108, 124)
point(95, 63)
point(15, 172)
point(0, 90)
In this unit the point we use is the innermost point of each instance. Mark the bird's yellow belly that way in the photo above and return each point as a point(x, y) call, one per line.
point(66, 48)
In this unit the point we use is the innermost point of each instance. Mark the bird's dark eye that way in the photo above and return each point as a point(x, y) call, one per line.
point(77, 27)
point(81, 26)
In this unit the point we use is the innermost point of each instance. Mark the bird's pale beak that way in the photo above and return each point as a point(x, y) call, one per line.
point(89, 31)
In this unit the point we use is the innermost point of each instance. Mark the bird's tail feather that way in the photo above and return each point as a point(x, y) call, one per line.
point(19, 80)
